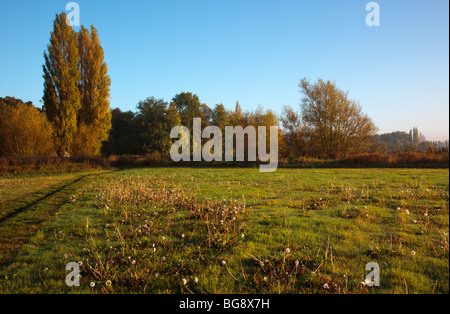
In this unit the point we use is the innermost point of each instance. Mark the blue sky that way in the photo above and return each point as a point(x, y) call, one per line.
point(254, 51)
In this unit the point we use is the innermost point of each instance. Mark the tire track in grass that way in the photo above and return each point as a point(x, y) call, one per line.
point(18, 227)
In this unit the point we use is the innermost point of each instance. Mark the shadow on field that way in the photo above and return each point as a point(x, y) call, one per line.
point(25, 208)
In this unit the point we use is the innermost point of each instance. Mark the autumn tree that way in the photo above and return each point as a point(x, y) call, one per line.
point(267, 119)
point(94, 116)
point(206, 114)
point(220, 116)
point(24, 131)
point(8, 102)
point(61, 74)
point(172, 116)
point(334, 125)
point(237, 116)
point(293, 133)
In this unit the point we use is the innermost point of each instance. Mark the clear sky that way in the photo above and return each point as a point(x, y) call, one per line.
point(254, 51)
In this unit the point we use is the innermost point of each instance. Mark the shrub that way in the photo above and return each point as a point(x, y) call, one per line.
point(25, 132)
point(51, 164)
point(414, 159)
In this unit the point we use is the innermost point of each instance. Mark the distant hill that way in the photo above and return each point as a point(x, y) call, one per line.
point(394, 142)
point(402, 142)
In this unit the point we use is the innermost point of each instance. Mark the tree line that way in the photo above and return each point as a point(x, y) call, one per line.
point(76, 118)
point(328, 124)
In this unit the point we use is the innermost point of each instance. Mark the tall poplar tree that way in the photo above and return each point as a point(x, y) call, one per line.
point(94, 116)
point(61, 74)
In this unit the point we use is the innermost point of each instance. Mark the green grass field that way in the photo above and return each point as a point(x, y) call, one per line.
point(191, 230)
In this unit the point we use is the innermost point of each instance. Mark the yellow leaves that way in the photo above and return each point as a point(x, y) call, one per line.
point(94, 115)
point(86, 142)
point(76, 90)
point(61, 74)
point(335, 124)
point(25, 132)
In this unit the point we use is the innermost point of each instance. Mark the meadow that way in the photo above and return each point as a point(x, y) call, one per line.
point(226, 230)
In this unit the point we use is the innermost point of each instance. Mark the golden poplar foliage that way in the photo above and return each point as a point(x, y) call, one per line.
point(94, 116)
point(77, 90)
point(86, 142)
point(61, 95)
